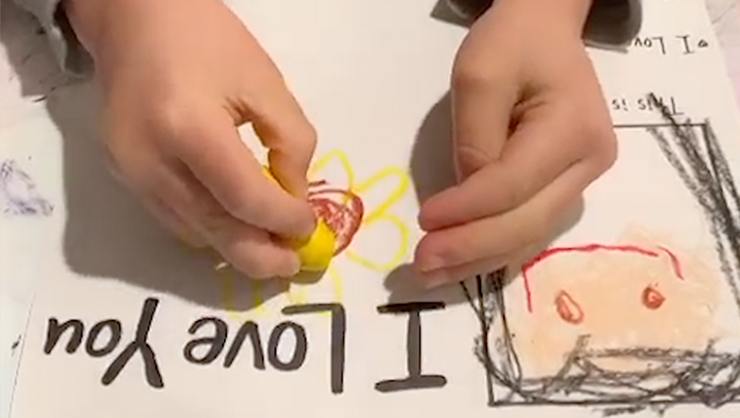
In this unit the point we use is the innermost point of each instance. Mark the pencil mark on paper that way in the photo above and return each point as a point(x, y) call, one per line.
point(19, 194)
point(626, 375)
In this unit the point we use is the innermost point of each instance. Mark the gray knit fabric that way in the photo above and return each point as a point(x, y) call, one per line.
point(69, 53)
point(610, 23)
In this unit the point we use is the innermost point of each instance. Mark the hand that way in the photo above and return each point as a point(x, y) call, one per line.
point(179, 77)
point(531, 132)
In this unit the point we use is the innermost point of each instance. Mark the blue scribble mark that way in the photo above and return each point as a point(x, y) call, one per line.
point(18, 192)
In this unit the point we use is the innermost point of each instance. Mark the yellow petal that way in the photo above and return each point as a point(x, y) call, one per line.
point(381, 191)
point(334, 167)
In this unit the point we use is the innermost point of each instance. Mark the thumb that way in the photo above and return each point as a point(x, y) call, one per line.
point(482, 106)
point(290, 138)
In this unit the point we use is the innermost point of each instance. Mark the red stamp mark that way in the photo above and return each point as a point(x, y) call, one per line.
point(342, 211)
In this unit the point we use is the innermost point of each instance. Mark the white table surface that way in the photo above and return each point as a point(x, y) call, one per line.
point(28, 75)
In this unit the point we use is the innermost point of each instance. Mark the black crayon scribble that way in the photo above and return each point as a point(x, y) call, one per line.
point(18, 192)
point(710, 377)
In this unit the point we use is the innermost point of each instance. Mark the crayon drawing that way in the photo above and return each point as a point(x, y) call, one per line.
point(18, 192)
point(349, 206)
point(625, 326)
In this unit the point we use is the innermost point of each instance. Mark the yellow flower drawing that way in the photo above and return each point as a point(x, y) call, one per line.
point(349, 213)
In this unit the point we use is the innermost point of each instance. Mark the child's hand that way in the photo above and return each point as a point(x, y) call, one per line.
point(179, 77)
point(531, 132)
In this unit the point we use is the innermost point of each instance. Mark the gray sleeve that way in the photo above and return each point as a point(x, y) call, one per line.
point(610, 22)
point(613, 22)
point(70, 54)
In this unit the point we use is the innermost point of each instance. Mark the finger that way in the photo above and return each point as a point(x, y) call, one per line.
point(251, 250)
point(283, 128)
point(138, 169)
point(174, 223)
point(533, 222)
point(254, 252)
point(482, 103)
point(454, 274)
point(213, 151)
point(534, 156)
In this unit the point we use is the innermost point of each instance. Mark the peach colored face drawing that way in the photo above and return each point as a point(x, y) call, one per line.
point(342, 211)
point(621, 296)
point(567, 307)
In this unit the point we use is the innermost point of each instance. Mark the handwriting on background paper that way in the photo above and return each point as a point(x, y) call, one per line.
point(641, 104)
point(343, 210)
point(678, 44)
point(19, 194)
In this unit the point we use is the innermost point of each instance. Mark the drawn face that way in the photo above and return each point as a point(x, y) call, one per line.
point(618, 297)
point(342, 211)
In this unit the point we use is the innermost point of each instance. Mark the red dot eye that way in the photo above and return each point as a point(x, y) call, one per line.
point(568, 309)
point(651, 298)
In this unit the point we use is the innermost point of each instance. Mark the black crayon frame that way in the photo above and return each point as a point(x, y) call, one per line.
point(709, 377)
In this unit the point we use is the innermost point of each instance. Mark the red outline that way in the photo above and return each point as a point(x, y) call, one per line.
point(590, 248)
point(346, 218)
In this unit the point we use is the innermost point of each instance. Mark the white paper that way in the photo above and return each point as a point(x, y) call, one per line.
point(370, 76)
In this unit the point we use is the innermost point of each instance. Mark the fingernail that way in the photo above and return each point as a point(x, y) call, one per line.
point(221, 266)
point(430, 265)
point(293, 267)
point(434, 279)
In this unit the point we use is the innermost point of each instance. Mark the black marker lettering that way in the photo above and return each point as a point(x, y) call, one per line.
point(299, 352)
point(338, 333)
point(151, 368)
point(217, 342)
point(674, 108)
point(661, 42)
point(55, 331)
point(686, 46)
point(114, 327)
point(248, 328)
point(415, 379)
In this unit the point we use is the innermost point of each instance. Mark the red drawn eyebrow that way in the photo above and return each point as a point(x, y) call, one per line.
point(591, 248)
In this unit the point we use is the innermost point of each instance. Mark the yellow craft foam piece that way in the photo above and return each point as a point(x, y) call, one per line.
point(316, 252)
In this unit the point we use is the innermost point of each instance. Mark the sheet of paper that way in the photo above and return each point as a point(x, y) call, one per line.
point(634, 309)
